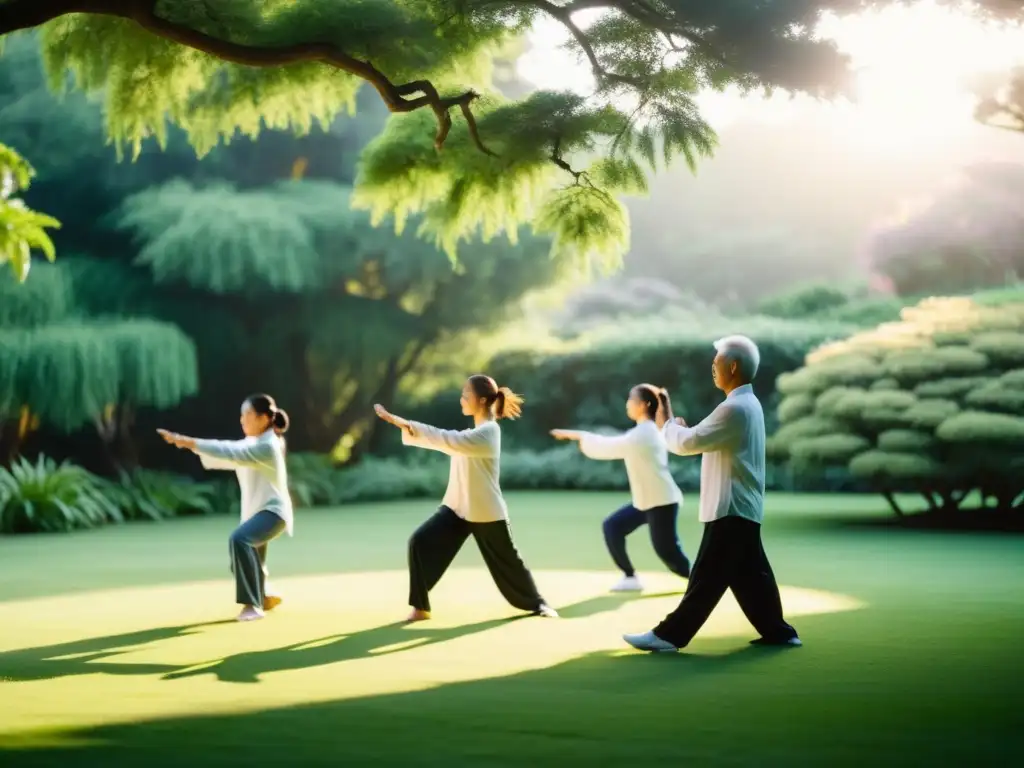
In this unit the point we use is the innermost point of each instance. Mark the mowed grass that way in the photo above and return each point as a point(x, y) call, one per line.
point(114, 648)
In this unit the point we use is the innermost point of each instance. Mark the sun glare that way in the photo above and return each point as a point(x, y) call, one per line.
point(913, 68)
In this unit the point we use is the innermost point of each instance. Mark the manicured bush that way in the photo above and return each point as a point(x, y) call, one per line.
point(585, 384)
point(953, 424)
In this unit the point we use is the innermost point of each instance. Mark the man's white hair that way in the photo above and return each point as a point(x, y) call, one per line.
point(743, 352)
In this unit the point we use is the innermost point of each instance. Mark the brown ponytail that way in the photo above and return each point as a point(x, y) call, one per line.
point(652, 397)
point(504, 403)
point(507, 404)
point(663, 400)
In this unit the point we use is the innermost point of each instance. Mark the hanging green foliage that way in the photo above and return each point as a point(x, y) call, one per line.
point(22, 230)
point(469, 161)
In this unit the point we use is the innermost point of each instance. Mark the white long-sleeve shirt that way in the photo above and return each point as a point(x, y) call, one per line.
point(474, 491)
point(732, 440)
point(646, 457)
point(262, 473)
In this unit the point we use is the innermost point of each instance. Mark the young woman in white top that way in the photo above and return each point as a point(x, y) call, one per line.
point(472, 505)
point(259, 462)
point(655, 495)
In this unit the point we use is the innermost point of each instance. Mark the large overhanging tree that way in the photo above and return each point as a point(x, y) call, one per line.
point(554, 160)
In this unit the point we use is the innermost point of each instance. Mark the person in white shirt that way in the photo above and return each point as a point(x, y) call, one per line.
point(655, 496)
point(732, 485)
point(473, 504)
point(259, 462)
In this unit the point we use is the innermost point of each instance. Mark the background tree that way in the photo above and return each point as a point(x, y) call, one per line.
point(64, 371)
point(932, 404)
point(552, 160)
point(310, 300)
point(965, 237)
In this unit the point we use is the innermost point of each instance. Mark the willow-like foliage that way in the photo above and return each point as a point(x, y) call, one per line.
point(555, 162)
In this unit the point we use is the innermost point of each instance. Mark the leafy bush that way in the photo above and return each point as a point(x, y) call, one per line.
point(311, 478)
point(146, 494)
point(586, 383)
point(953, 423)
point(805, 301)
point(561, 467)
point(47, 497)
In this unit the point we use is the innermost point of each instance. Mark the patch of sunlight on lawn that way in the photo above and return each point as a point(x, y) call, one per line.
point(142, 653)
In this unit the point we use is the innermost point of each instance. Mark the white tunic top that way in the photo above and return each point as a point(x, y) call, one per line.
point(262, 474)
point(473, 493)
point(646, 457)
point(732, 440)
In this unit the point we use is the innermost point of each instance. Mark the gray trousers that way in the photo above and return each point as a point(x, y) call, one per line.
point(247, 546)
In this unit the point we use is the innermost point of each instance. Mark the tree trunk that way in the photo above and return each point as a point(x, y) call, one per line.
point(10, 441)
point(949, 500)
point(892, 503)
point(125, 448)
point(114, 428)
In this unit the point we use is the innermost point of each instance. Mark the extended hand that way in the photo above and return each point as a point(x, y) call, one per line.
point(564, 434)
point(680, 421)
point(178, 441)
point(390, 418)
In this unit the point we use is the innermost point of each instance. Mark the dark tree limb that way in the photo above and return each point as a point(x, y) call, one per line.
point(399, 98)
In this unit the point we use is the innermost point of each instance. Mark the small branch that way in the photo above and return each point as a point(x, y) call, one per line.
point(557, 159)
point(892, 503)
point(564, 16)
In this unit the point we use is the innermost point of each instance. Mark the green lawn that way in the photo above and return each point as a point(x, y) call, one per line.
point(113, 648)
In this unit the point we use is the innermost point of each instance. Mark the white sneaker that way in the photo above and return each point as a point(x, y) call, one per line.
point(250, 613)
point(547, 611)
point(628, 584)
point(648, 641)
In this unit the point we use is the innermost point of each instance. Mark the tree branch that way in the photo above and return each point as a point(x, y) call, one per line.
point(26, 14)
point(564, 16)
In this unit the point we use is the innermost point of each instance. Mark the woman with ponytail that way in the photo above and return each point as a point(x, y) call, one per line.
point(258, 461)
point(473, 504)
point(655, 496)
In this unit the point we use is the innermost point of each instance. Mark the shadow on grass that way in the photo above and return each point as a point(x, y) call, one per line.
point(545, 717)
point(86, 657)
point(958, 521)
point(841, 701)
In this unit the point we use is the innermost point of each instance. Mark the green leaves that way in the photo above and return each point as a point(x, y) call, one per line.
point(288, 65)
point(50, 497)
point(22, 230)
point(68, 373)
point(948, 416)
point(222, 240)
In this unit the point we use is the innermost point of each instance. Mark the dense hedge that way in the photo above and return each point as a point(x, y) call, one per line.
point(585, 384)
point(933, 404)
point(424, 474)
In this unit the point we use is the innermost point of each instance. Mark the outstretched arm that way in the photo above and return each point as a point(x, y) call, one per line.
point(594, 446)
point(478, 442)
point(223, 454)
point(719, 431)
point(236, 453)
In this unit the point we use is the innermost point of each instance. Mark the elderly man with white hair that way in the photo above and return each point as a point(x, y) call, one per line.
point(731, 555)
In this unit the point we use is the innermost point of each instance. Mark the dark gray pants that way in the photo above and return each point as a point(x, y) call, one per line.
point(661, 522)
point(435, 544)
point(731, 556)
point(247, 546)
